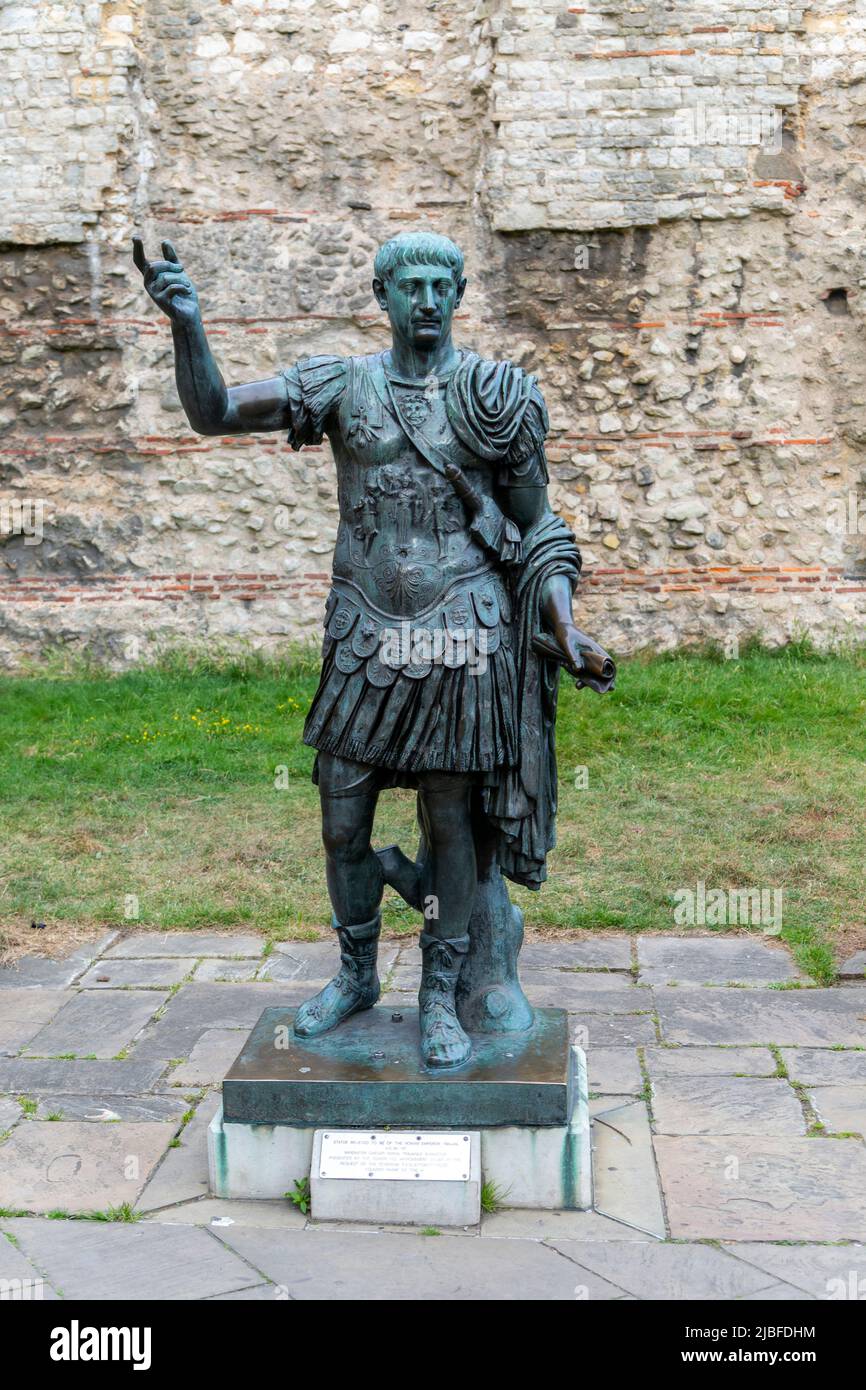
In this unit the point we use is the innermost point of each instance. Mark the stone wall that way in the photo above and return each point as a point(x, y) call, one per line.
point(662, 210)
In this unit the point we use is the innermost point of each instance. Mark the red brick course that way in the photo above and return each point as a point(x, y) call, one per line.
point(266, 585)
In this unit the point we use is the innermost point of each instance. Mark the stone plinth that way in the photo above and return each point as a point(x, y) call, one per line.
point(523, 1097)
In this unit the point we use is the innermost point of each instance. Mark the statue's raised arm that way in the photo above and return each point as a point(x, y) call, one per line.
point(211, 407)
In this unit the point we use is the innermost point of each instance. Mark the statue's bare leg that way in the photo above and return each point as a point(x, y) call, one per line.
point(448, 891)
point(348, 792)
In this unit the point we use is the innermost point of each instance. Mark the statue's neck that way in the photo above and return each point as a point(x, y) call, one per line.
point(410, 361)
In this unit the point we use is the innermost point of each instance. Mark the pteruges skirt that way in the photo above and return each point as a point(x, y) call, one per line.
point(432, 693)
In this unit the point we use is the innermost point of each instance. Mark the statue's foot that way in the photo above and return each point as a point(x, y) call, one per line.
point(443, 1041)
point(353, 988)
point(338, 1000)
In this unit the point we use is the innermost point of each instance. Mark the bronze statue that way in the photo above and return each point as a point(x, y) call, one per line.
point(448, 621)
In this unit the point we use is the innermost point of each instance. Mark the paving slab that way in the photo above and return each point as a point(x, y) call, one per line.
point(777, 1293)
point(144, 974)
point(183, 1174)
point(23, 1012)
point(725, 1105)
point(713, 960)
point(390, 1229)
point(854, 967)
point(137, 1262)
point(593, 984)
point(279, 968)
point(186, 943)
point(235, 972)
point(76, 1166)
point(405, 978)
point(614, 1071)
point(556, 1225)
point(593, 953)
point(319, 960)
point(815, 1066)
point(408, 950)
point(743, 1188)
point(95, 1024)
point(625, 1183)
point(709, 1061)
point(33, 1076)
point(822, 1271)
point(317, 1265)
point(106, 1109)
point(40, 972)
point(258, 1293)
point(196, 1008)
point(654, 1270)
point(216, 1213)
point(589, 1030)
point(841, 1108)
point(398, 999)
point(43, 972)
point(10, 1113)
point(582, 992)
point(314, 958)
point(211, 1058)
point(19, 1279)
point(788, 1018)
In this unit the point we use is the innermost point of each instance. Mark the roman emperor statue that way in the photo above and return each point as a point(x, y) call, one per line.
point(448, 622)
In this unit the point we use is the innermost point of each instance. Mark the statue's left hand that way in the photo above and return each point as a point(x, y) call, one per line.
point(570, 640)
point(566, 644)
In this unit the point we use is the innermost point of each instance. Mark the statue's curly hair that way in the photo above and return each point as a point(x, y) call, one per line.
point(418, 248)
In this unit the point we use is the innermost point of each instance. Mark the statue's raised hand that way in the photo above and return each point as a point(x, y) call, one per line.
point(167, 283)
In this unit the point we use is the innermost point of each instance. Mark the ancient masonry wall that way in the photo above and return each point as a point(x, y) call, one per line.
point(662, 208)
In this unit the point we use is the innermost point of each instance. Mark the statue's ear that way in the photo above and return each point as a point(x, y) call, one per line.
point(379, 292)
point(461, 286)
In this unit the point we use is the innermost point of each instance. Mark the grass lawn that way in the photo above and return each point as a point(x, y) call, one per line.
point(158, 792)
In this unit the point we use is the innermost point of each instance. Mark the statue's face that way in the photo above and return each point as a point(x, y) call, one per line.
point(420, 301)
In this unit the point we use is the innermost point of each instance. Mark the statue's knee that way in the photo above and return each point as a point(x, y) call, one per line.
point(346, 840)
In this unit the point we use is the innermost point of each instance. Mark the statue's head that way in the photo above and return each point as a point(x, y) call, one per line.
point(419, 282)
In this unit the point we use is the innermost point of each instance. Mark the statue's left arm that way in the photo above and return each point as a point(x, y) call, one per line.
point(523, 489)
point(499, 413)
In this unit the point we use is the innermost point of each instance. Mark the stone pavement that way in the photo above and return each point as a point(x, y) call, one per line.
point(728, 1098)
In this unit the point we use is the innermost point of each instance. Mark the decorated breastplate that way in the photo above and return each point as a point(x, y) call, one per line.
point(404, 534)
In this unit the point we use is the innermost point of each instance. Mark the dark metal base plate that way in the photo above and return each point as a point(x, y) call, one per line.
point(369, 1073)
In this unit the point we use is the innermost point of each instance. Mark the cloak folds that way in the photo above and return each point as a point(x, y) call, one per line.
point(487, 404)
point(521, 805)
